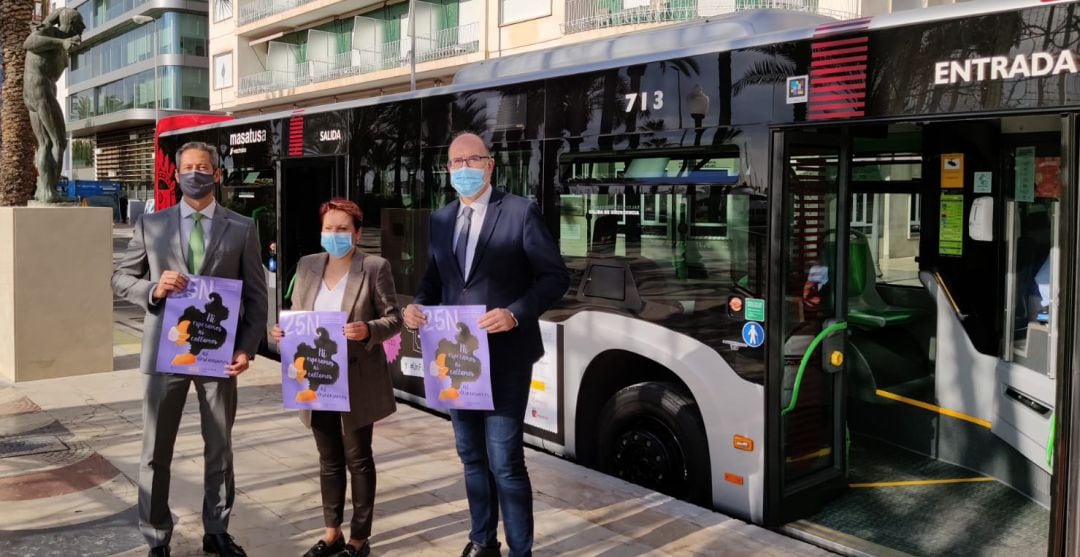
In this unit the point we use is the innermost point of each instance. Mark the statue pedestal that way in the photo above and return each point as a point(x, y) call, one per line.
point(55, 295)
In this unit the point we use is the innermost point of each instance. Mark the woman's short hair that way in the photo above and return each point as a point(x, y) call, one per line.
point(345, 206)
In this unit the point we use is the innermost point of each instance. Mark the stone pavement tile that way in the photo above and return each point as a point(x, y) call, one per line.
point(441, 527)
point(17, 424)
point(103, 500)
point(111, 535)
point(568, 535)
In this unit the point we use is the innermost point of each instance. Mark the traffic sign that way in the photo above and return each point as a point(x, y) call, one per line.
point(755, 309)
point(753, 334)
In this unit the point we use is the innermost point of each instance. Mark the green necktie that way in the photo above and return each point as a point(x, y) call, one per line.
point(196, 244)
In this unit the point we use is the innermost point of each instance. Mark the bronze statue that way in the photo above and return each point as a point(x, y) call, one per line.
point(47, 50)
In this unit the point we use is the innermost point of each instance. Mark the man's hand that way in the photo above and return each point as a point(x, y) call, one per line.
point(277, 334)
point(498, 320)
point(72, 42)
point(414, 317)
point(239, 365)
point(171, 281)
point(357, 331)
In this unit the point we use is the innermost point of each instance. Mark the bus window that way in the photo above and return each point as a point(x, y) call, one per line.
point(667, 237)
point(1031, 222)
point(252, 193)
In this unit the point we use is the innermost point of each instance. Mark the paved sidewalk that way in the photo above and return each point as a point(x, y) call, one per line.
point(69, 452)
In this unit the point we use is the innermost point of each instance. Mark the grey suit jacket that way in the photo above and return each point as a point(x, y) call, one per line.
point(233, 253)
point(370, 297)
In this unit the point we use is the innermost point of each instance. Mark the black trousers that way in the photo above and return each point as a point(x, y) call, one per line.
point(341, 449)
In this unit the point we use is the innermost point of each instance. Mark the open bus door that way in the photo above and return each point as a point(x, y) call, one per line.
point(806, 461)
point(305, 183)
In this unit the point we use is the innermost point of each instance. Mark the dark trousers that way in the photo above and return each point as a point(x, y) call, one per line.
point(492, 451)
point(163, 405)
point(341, 449)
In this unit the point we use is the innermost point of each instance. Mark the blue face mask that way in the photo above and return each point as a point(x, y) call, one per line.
point(337, 244)
point(467, 181)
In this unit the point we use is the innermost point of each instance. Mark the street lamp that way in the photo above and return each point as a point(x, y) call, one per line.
point(140, 20)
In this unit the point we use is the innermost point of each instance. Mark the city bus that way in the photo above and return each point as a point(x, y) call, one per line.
point(823, 272)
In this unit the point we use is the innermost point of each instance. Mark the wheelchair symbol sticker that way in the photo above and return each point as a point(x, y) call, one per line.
point(753, 334)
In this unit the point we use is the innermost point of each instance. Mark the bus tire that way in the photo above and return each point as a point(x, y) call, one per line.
point(652, 434)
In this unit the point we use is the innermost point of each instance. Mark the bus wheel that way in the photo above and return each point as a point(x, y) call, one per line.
point(652, 434)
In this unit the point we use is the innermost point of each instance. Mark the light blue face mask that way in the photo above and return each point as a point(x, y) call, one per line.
point(467, 181)
point(337, 244)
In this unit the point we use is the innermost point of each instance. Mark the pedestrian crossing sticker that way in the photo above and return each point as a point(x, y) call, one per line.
point(753, 334)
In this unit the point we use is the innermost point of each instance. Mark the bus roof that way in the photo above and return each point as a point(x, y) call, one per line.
point(725, 32)
point(714, 34)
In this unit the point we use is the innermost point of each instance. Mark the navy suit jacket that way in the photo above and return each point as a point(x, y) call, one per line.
point(517, 266)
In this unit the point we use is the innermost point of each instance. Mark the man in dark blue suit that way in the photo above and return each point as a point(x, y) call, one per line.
point(491, 248)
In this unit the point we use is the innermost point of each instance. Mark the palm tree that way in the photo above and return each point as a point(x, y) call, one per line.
point(17, 174)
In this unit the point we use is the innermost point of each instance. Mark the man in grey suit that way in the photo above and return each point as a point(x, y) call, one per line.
point(197, 237)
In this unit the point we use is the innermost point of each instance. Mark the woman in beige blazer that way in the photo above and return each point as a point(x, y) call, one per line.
point(346, 279)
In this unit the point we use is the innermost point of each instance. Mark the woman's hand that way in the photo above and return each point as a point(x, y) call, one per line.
point(277, 334)
point(357, 331)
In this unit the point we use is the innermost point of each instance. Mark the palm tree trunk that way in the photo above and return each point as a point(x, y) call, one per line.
point(17, 172)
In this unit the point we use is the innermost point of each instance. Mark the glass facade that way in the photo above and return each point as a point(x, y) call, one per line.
point(99, 12)
point(182, 88)
point(177, 33)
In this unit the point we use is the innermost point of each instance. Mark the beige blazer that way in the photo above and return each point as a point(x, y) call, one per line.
point(370, 297)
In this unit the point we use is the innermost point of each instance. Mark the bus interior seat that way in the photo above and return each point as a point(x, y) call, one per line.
point(885, 352)
point(608, 280)
point(866, 308)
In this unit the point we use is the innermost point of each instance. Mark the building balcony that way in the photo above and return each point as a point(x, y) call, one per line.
point(587, 15)
point(443, 44)
point(448, 43)
point(254, 10)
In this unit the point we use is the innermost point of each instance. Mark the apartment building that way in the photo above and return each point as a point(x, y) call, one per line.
point(270, 55)
point(140, 60)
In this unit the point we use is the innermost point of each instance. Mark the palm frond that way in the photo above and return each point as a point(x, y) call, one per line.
point(764, 72)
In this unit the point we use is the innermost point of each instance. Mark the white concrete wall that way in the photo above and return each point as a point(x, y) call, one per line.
point(55, 298)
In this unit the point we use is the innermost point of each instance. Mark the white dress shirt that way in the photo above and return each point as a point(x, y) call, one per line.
point(328, 299)
point(479, 208)
point(187, 223)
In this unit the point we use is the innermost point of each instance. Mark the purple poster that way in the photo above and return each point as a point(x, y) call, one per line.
point(455, 351)
point(198, 328)
point(314, 361)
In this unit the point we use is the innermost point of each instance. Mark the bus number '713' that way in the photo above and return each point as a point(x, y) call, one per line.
point(642, 98)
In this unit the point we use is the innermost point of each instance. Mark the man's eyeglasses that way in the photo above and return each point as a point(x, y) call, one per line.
point(475, 161)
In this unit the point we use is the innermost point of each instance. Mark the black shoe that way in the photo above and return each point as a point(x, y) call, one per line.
point(323, 549)
point(476, 550)
point(221, 544)
point(351, 551)
point(159, 551)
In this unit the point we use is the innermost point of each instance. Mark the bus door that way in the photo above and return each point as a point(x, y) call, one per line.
point(806, 438)
point(305, 184)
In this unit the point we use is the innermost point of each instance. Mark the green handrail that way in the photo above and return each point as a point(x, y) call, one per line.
point(806, 359)
point(1050, 442)
point(288, 291)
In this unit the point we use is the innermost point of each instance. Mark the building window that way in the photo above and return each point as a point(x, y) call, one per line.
point(222, 10)
point(914, 215)
point(514, 11)
point(223, 71)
